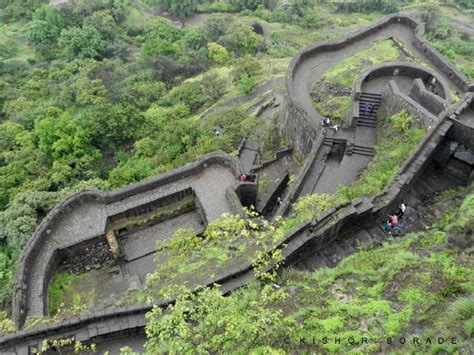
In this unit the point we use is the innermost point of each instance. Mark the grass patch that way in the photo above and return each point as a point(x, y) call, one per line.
point(336, 107)
point(332, 94)
point(63, 292)
point(378, 293)
point(345, 72)
point(398, 143)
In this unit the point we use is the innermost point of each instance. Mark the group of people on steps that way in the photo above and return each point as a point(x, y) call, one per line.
point(392, 226)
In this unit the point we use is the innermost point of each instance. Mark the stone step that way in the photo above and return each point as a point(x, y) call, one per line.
point(348, 245)
point(364, 239)
point(368, 151)
point(366, 124)
point(363, 102)
point(377, 234)
point(363, 116)
point(371, 95)
point(422, 191)
point(368, 115)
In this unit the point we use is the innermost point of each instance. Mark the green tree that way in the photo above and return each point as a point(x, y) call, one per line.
point(83, 42)
point(45, 29)
point(213, 87)
point(193, 39)
point(253, 4)
point(68, 142)
point(180, 8)
point(207, 322)
point(104, 23)
point(216, 26)
point(242, 39)
point(301, 6)
point(218, 53)
point(161, 38)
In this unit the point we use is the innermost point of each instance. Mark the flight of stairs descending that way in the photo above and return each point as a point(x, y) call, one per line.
point(368, 119)
point(359, 149)
point(329, 141)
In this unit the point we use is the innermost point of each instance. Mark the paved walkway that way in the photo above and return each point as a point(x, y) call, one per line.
point(467, 117)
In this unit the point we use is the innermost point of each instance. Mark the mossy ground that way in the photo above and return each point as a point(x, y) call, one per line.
point(67, 290)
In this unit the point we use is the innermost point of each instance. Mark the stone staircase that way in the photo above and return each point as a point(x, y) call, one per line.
point(361, 150)
point(332, 254)
point(329, 141)
point(368, 119)
point(419, 215)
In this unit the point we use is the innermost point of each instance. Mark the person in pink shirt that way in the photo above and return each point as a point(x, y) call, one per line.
point(393, 220)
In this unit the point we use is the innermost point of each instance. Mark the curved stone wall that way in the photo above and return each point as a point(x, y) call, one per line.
point(317, 233)
point(406, 69)
point(32, 251)
point(298, 126)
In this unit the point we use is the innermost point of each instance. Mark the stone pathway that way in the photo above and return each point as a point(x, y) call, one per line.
point(249, 155)
point(313, 68)
point(139, 244)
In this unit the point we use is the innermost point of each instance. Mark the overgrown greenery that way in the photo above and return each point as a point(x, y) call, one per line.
point(395, 148)
point(60, 293)
point(381, 293)
point(453, 42)
point(105, 93)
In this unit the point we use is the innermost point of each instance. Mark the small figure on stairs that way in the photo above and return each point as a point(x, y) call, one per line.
point(401, 210)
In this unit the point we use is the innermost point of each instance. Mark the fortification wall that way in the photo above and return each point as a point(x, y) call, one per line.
point(33, 248)
point(314, 234)
point(297, 126)
point(433, 103)
point(318, 232)
point(405, 69)
point(394, 101)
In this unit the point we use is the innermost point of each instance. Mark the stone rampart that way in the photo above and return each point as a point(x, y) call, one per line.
point(295, 190)
point(426, 98)
point(405, 69)
point(40, 236)
point(395, 101)
point(297, 125)
point(318, 232)
point(315, 234)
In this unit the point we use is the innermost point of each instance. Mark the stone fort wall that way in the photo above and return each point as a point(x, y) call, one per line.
point(41, 235)
point(315, 234)
point(296, 124)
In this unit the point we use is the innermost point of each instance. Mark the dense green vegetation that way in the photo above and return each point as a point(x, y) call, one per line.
point(105, 93)
point(453, 42)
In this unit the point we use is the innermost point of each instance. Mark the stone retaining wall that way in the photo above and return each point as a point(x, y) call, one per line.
point(295, 190)
point(406, 69)
point(427, 99)
point(395, 101)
